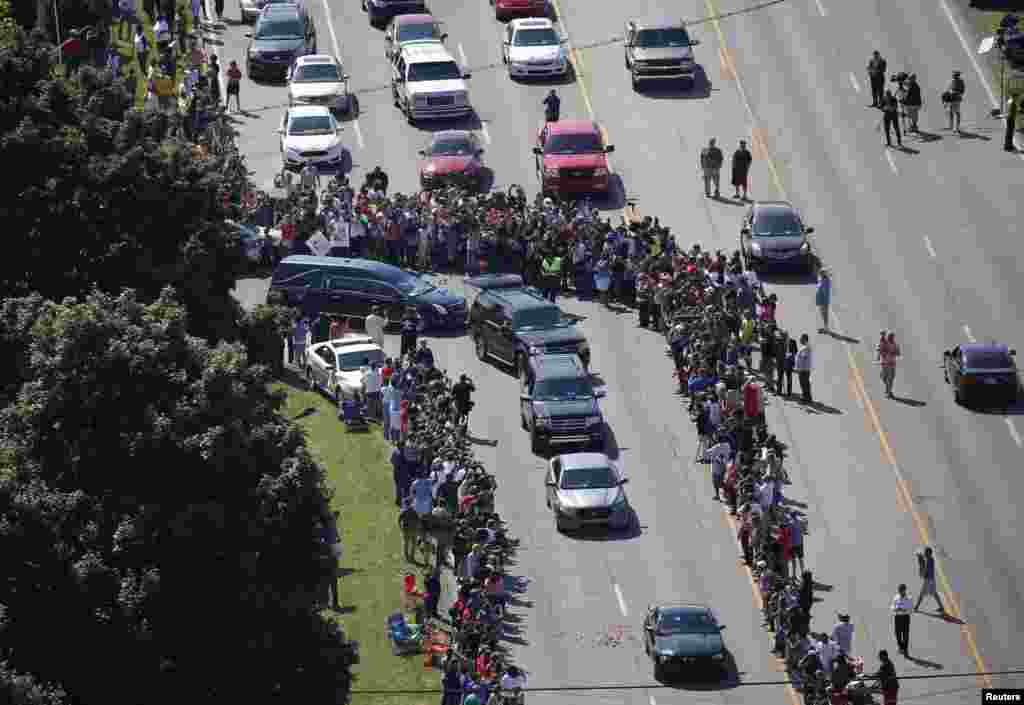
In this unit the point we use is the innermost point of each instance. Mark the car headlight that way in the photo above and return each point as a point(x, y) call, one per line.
point(568, 511)
point(253, 52)
point(619, 503)
point(805, 248)
point(550, 171)
point(535, 350)
point(461, 99)
point(291, 152)
point(440, 310)
point(431, 168)
point(664, 655)
point(543, 421)
point(593, 420)
point(600, 171)
point(420, 100)
point(755, 248)
point(719, 656)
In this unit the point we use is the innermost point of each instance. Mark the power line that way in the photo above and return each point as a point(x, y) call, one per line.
point(655, 686)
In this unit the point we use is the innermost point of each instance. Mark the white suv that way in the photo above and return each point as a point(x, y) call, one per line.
point(427, 83)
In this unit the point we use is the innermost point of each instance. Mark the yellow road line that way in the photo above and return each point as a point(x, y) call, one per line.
point(628, 212)
point(903, 488)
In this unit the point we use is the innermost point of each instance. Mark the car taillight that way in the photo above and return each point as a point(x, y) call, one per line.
point(967, 379)
point(550, 171)
point(600, 171)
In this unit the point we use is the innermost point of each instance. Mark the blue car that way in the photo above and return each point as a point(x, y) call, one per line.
point(352, 286)
point(982, 374)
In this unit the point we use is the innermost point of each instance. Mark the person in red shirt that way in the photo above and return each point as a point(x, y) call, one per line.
point(387, 370)
point(72, 50)
point(234, 75)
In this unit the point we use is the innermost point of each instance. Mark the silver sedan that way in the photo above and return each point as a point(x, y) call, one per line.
point(584, 489)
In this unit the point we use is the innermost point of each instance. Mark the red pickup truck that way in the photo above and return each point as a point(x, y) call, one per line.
point(571, 157)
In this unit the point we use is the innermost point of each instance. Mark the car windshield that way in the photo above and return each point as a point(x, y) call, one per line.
point(413, 32)
point(349, 361)
point(451, 147)
point(316, 73)
point(669, 37)
point(776, 223)
point(311, 125)
point(574, 143)
point(990, 360)
point(556, 389)
point(535, 37)
point(434, 71)
point(279, 29)
point(685, 622)
point(537, 318)
point(588, 478)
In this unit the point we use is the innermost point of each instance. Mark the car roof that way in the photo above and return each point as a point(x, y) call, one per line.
point(316, 59)
point(368, 265)
point(352, 339)
point(983, 348)
point(573, 127)
point(356, 348)
point(773, 206)
point(426, 51)
point(689, 607)
point(486, 282)
point(308, 110)
point(559, 365)
point(522, 299)
point(414, 18)
point(572, 461)
point(532, 23)
point(282, 8)
point(659, 23)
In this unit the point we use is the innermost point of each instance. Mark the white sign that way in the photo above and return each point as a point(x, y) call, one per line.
point(319, 244)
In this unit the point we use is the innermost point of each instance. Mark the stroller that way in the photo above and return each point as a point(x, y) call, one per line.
point(353, 414)
point(404, 638)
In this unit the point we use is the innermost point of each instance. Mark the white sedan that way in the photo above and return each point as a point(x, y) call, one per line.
point(336, 366)
point(318, 79)
point(532, 48)
point(310, 135)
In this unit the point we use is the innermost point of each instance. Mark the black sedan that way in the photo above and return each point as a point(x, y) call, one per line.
point(773, 236)
point(683, 636)
point(982, 374)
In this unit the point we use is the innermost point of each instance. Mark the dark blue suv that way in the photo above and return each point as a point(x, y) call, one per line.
point(352, 287)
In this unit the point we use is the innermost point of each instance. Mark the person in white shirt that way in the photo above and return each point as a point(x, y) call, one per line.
point(803, 365)
point(718, 455)
point(514, 679)
point(372, 384)
point(342, 239)
point(842, 634)
point(902, 607)
point(375, 325)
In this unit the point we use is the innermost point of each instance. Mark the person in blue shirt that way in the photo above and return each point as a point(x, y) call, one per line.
point(700, 381)
point(425, 356)
point(422, 492)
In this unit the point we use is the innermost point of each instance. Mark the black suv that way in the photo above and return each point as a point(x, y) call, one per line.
point(559, 404)
point(282, 34)
point(514, 324)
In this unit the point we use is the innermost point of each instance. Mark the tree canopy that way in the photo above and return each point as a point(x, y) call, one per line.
point(158, 517)
point(99, 195)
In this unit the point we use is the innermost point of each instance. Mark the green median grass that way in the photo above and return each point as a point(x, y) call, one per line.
point(358, 468)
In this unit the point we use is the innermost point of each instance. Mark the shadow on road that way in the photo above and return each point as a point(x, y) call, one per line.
point(730, 677)
point(909, 402)
point(700, 89)
point(926, 663)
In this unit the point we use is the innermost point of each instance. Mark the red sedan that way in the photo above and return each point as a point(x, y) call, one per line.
point(571, 157)
point(451, 158)
point(508, 9)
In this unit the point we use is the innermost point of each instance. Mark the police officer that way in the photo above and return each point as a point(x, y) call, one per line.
point(552, 106)
point(711, 159)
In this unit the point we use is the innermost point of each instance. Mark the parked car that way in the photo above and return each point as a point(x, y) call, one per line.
point(453, 157)
point(571, 157)
point(532, 48)
point(982, 374)
point(319, 79)
point(335, 366)
point(282, 34)
point(773, 235)
point(586, 489)
point(558, 405)
point(352, 286)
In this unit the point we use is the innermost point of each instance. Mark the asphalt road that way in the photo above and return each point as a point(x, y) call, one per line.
point(920, 241)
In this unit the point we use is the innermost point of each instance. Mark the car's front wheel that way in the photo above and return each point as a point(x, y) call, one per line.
point(536, 444)
point(310, 380)
point(521, 367)
point(659, 670)
point(481, 348)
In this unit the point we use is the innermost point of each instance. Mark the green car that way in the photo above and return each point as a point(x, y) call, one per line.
point(683, 637)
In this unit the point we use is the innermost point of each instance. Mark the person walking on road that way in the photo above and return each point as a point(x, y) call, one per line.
point(891, 119)
point(888, 353)
point(741, 160)
point(952, 99)
point(876, 76)
point(842, 634)
point(1011, 124)
point(926, 571)
point(234, 75)
point(902, 607)
point(552, 106)
point(711, 159)
point(823, 298)
point(912, 102)
point(803, 366)
point(887, 680)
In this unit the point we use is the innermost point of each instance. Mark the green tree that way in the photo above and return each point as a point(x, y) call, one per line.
point(158, 516)
point(101, 195)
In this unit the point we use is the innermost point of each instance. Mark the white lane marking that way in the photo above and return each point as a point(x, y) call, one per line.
point(892, 162)
point(359, 133)
point(821, 8)
point(621, 599)
point(462, 55)
point(854, 82)
point(928, 246)
point(1013, 433)
point(969, 334)
point(337, 55)
point(485, 132)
